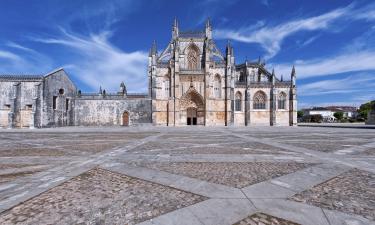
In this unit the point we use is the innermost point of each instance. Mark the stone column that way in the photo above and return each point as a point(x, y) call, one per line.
point(273, 107)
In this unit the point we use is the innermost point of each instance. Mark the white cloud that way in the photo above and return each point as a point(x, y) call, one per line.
point(9, 56)
point(98, 63)
point(29, 62)
point(345, 62)
point(358, 83)
point(271, 38)
point(20, 47)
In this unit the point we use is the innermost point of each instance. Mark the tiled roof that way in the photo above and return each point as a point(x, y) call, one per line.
point(20, 77)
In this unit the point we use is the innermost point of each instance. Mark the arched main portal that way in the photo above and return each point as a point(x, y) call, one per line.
point(192, 108)
point(125, 119)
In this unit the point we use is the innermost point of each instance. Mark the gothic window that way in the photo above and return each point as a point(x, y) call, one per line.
point(281, 101)
point(242, 77)
point(166, 86)
point(193, 58)
point(238, 101)
point(259, 100)
point(217, 86)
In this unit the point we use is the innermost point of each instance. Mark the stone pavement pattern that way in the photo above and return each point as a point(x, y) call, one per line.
point(234, 174)
point(188, 176)
point(264, 219)
point(350, 192)
point(100, 196)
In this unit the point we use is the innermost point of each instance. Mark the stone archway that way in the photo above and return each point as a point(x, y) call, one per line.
point(192, 108)
point(125, 119)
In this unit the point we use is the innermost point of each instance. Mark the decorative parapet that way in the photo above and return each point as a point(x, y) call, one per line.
point(110, 96)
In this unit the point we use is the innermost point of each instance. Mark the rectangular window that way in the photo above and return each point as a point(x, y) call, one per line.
point(7, 106)
point(54, 103)
point(29, 107)
point(67, 105)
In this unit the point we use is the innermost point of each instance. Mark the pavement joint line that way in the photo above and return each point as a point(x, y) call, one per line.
point(325, 215)
point(251, 203)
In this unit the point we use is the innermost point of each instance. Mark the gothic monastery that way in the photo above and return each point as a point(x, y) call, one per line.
point(190, 83)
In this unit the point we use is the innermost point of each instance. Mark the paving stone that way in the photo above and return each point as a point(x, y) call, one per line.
point(100, 196)
point(352, 192)
point(264, 219)
point(235, 174)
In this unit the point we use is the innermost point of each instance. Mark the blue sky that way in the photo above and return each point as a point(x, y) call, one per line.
point(331, 43)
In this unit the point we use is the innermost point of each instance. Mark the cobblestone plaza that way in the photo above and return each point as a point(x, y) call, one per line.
point(188, 176)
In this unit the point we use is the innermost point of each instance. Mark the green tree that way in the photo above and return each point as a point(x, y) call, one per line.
point(300, 113)
point(338, 115)
point(365, 108)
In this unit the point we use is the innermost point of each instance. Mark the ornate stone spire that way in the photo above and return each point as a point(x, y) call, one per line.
point(273, 77)
point(293, 77)
point(228, 48)
point(208, 29)
point(293, 71)
point(153, 49)
point(175, 30)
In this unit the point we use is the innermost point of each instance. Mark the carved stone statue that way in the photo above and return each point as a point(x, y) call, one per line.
point(122, 89)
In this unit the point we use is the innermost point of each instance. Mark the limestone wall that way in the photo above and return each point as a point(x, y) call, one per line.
point(18, 96)
point(107, 112)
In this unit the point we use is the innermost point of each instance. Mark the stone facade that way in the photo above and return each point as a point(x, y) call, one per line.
point(190, 83)
point(37, 101)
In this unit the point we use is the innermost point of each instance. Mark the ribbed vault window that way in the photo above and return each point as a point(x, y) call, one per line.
point(281, 101)
point(259, 100)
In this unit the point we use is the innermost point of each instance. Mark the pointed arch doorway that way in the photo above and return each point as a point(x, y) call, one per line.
point(192, 108)
point(191, 116)
point(125, 119)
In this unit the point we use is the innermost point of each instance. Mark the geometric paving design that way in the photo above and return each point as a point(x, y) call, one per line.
point(100, 196)
point(352, 192)
point(264, 219)
point(74, 170)
point(234, 174)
